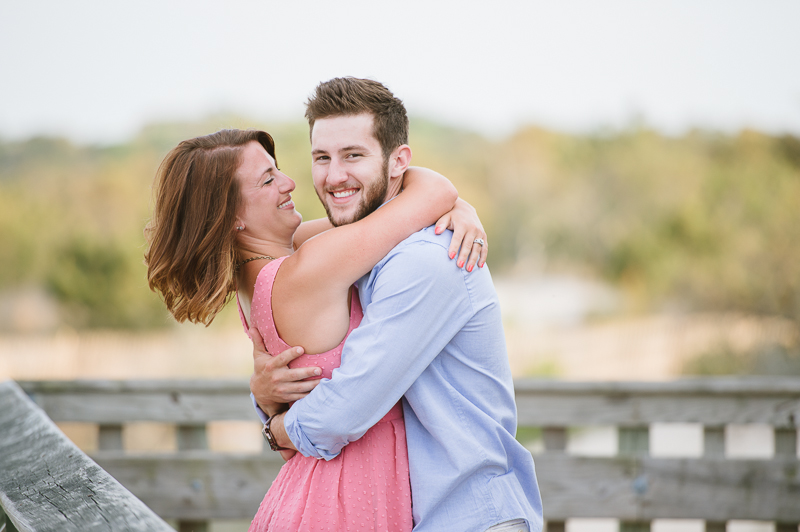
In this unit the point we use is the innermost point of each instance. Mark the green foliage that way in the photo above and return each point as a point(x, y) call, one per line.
point(705, 221)
point(93, 279)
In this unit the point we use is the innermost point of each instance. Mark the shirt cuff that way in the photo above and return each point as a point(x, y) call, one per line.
point(260, 413)
point(301, 442)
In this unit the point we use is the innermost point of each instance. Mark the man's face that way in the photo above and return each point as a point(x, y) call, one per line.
point(350, 175)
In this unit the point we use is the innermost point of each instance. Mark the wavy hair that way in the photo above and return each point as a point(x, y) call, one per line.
point(191, 238)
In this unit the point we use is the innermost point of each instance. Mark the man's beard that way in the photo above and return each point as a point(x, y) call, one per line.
point(372, 197)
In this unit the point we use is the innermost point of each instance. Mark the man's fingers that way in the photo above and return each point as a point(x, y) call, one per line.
point(287, 356)
point(292, 391)
point(300, 374)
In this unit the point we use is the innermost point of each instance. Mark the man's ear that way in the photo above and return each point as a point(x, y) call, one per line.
point(399, 160)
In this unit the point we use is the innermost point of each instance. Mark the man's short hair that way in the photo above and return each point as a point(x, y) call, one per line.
point(354, 96)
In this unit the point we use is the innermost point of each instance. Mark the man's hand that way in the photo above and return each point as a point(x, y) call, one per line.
point(272, 382)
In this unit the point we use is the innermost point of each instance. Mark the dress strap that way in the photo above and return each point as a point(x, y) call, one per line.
point(241, 316)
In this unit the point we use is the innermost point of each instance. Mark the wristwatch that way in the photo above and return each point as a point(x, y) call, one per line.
point(269, 436)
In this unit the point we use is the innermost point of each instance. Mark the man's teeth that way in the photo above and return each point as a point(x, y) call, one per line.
point(343, 193)
point(284, 204)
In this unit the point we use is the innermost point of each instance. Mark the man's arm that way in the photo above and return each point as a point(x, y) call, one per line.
point(419, 302)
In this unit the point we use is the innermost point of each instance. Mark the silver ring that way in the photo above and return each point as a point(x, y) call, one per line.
point(478, 241)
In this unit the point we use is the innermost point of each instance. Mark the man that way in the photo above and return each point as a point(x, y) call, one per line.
point(431, 333)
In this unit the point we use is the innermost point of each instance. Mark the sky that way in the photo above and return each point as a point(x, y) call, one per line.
point(98, 70)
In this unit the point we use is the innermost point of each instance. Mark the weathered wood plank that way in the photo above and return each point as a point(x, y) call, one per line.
point(48, 484)
point(706, 401)
point(195, 485)
point(712, 401)
point(642, 489)
point(204, 485)
point(182, 402)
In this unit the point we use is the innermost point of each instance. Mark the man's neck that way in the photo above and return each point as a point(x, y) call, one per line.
point(395, 187)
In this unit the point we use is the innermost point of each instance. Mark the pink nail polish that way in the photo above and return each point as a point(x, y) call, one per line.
point(460, 263)
point(469, 268)
point(438, 230)
point(452, 254)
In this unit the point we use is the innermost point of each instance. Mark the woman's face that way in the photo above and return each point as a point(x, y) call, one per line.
point(267, 210)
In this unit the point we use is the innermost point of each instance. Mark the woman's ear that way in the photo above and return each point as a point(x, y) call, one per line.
point(399, 161)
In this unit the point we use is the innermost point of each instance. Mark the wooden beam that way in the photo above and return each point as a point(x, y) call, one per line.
point(711, 401)
point(114, 402)
point(205, 485)
point(195, 485)
point(48, 484)
point(705, 401)
point(646, 488)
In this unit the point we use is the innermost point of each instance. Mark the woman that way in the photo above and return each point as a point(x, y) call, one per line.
point(223, 221)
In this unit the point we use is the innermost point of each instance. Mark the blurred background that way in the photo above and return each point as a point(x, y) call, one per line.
point(637, 168)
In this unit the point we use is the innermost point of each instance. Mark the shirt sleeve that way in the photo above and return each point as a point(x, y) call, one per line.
point(260, 413)
point(419, 302)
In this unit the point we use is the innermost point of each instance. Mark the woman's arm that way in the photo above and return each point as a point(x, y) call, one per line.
point(335, 259)
point(310, 229)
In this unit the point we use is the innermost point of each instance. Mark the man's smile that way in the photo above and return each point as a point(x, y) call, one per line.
point(342, 195)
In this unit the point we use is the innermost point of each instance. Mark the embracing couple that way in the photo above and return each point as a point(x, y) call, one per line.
point(404, 415)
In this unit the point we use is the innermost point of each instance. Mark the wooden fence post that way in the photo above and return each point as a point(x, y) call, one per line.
point(555, 441)
point(633, 442)
point(714, 447)
point(192, 438)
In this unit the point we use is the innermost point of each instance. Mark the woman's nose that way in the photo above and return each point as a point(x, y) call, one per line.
point(287, 183)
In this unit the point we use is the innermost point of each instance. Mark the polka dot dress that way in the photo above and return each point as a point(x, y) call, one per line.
point(366, 487)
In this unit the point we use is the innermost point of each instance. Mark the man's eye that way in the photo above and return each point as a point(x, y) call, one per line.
point(352, 155)
point(322, 158)
point(270, 180)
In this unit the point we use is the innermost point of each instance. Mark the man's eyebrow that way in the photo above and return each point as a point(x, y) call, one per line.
point(315, 152)
point(357, 147)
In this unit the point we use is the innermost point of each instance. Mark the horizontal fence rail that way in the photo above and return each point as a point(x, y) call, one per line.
point(195, 484)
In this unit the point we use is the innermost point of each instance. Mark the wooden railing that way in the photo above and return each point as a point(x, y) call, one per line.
point(194, 484)
point(637, 488)
point(48, 484)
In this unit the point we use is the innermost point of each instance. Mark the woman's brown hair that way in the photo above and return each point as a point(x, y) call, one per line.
point(191, 237)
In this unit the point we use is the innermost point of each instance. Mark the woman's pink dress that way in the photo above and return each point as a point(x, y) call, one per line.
point(366, 487)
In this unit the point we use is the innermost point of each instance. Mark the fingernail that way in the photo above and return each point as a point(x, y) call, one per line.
point(317, 371)
point(481, 265)
point(438, 230)
point(452, 254)
point(460, 263)
point(469, 268)
point(299, 350)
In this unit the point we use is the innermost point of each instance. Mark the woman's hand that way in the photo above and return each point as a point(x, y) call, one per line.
point(466, 226)
point(273, 383)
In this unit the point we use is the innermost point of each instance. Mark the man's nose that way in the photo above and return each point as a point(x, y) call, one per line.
point(337, 173)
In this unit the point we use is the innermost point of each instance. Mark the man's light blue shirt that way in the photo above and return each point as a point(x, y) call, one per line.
point(432, 334)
